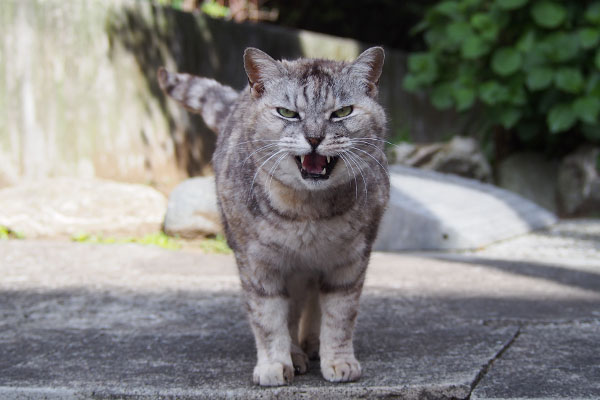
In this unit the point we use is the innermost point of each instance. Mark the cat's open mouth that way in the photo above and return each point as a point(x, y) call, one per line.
point(315, 166)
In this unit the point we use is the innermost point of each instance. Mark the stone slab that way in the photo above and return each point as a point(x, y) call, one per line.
point(433, 211)
point(547, 361)
point(127, 321)
point(63, 207)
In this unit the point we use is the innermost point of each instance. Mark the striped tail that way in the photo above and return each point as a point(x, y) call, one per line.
point(203, 96)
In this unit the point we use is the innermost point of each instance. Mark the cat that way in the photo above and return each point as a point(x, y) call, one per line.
point(302, 183)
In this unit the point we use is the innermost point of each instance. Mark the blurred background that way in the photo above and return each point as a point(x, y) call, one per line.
point(502, 91)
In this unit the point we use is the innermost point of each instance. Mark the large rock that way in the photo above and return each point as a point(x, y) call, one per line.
point(461, 156)
point(63, 207)
point(532, 176)
point(192, 210)
point(434, 211)
point(579, 183)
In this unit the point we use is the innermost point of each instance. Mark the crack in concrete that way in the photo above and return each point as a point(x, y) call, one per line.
point(485, 368)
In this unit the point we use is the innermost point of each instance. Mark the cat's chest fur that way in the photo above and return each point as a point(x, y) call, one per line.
point(301, 230)
point(314, 244)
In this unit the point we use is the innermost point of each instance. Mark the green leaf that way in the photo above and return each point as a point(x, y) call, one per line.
point(588, 37)
point(561, 118)
point(569, 80)
point(420, 27)
point(410, 83)
point(592, 86)
point(436, 38)
point(465, 4)
point(560, 46)
point(474, 47)
point(441, 96)
point(539, 78)
point(592, 14)
point(459, 31)
point(597, 59)
point(516, 92)
point(511, 4)
point(423, 66)
point(509, 117)
point(587, 109)
point(464, 97)
point(548, 14)
point(447, 8)
point(506, 61)
point(536, 57)
point(486, 26)
point(526, 42)
point(492, 93)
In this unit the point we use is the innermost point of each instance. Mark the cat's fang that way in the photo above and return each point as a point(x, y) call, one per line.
point(323, 172)
point(328, 159)
point(302, 159)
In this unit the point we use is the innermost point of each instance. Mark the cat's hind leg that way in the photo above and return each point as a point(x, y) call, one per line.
point(298, 288)
point(310, 323)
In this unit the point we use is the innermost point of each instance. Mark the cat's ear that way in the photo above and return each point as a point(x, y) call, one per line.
point(259, 67)
point(367, 67)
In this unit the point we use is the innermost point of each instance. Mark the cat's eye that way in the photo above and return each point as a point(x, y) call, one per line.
point(284, 112)
point(342, 112)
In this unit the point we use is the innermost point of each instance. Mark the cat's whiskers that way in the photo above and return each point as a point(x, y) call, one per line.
point(365, 143)
point(257, 150)
point(272, 171)
point(254, 141)
point(376, 160)
point(346, 164)
point(259, 169)
point(354, 158)
point(379, 140)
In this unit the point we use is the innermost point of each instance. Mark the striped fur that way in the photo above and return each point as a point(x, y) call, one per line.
point(302, 245)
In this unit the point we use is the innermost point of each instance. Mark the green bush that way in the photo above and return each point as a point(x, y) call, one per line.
point(531, 66)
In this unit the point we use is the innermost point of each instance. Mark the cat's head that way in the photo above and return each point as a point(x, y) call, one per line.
point(317, 121)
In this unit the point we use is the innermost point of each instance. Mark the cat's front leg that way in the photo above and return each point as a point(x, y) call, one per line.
point(268, 308)
point(339, 300)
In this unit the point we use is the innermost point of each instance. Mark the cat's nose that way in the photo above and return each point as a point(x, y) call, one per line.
point(314, 142)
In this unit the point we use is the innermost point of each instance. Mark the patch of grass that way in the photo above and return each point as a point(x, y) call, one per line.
point(7, 233)
point(215, 245)
point(153, 239)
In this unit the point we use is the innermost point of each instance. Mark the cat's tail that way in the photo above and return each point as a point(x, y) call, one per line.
point(204, 96)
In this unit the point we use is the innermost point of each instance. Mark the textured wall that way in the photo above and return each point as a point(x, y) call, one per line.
point(78, 94)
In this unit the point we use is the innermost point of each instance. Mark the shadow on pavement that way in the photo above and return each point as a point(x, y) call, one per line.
point(181, 342)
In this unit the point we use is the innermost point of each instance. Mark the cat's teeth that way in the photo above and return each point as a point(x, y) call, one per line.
point(323, 172)
point(301, 159)
point(328, 159)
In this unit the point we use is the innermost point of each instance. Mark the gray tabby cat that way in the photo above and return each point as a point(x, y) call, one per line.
point(302, 183)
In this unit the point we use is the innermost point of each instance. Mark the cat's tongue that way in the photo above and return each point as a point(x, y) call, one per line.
point(314, 163)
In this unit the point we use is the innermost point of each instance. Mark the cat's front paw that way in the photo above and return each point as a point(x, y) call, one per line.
point(346, 369)
point(273, 374)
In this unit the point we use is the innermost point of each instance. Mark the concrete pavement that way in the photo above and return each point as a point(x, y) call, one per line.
point(127, 321)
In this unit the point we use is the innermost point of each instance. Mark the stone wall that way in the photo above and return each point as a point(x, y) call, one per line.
point(78, 94)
